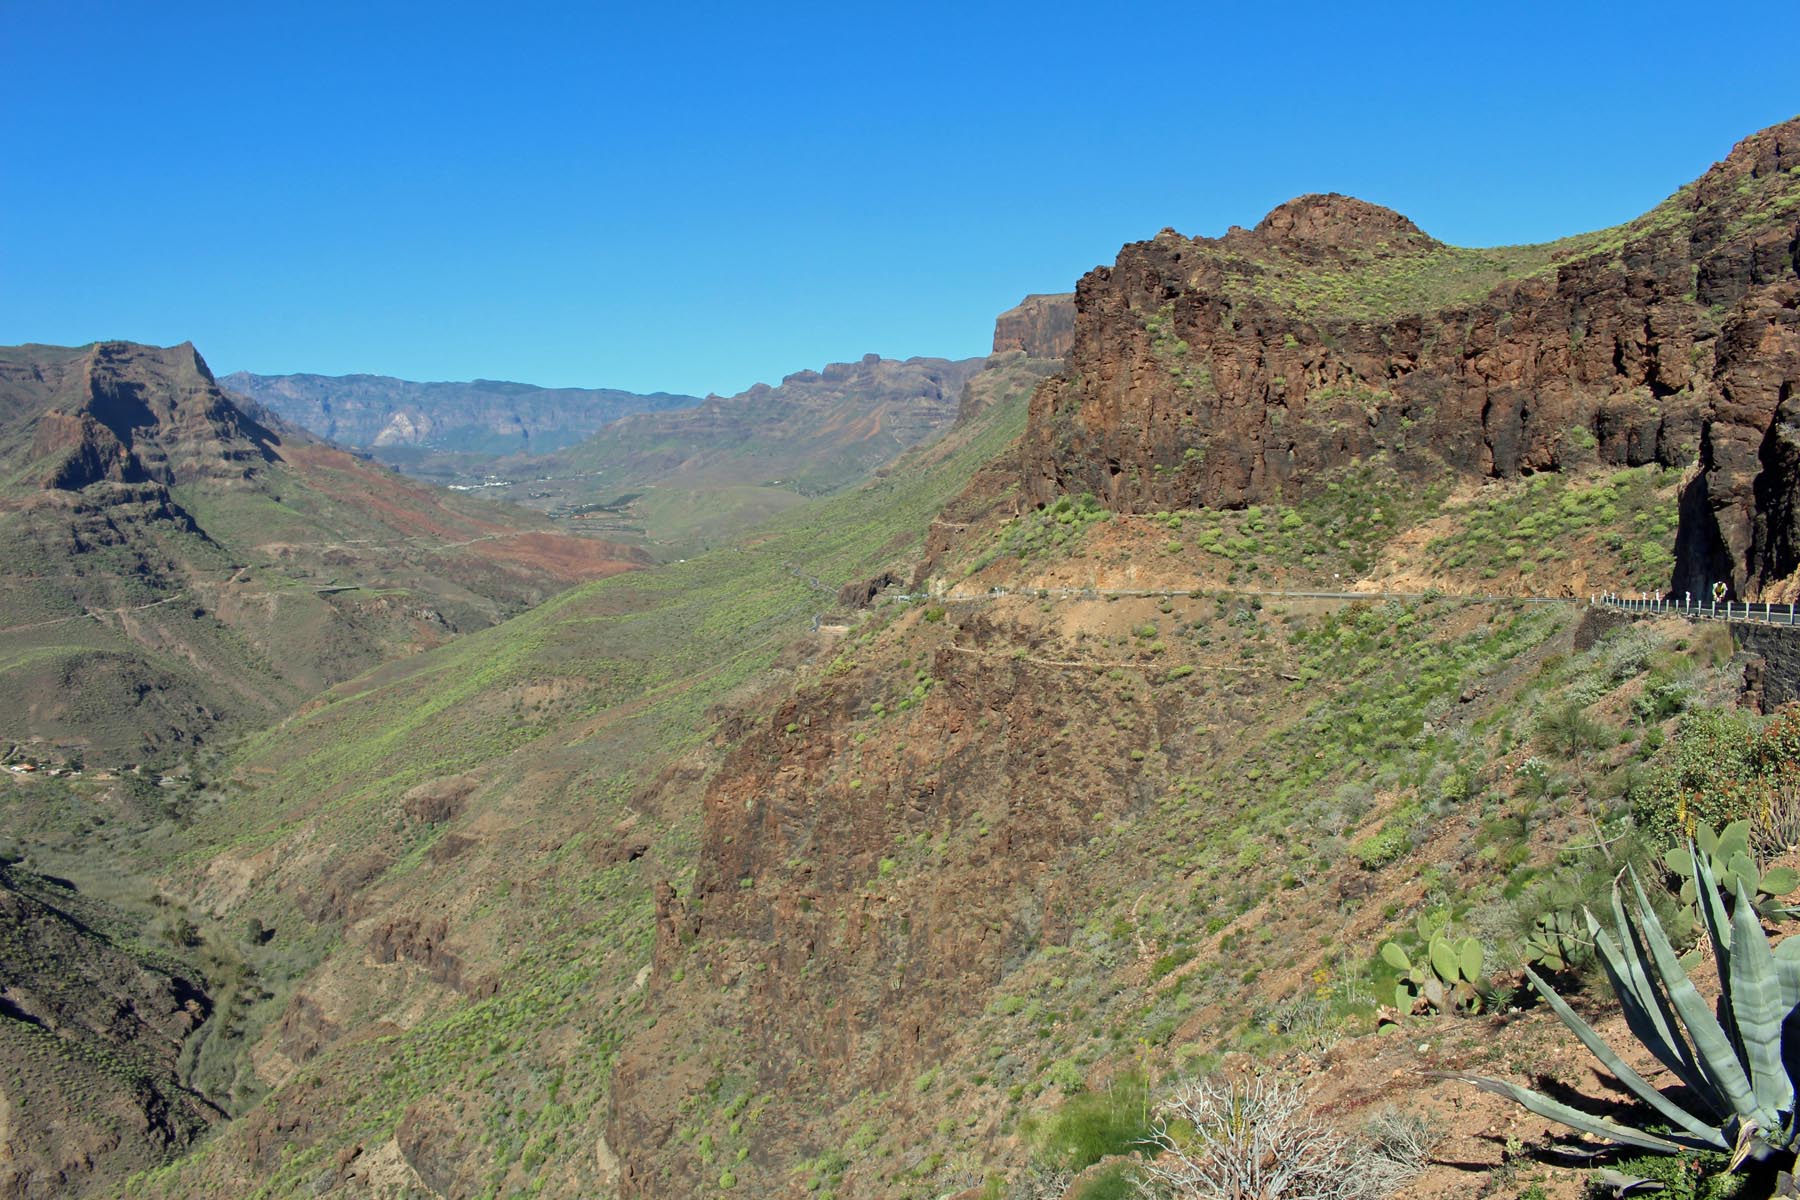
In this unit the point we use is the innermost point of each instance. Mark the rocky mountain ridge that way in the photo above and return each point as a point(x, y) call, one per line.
point(1232, 371)
point(384, 415)
point(687, 478)
point(827, 427)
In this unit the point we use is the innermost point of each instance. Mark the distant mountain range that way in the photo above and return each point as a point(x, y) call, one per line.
point(176, 561)
point(677, 472)
point(395, 418)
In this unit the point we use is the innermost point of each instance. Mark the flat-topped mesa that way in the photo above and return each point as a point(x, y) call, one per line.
point(1256, 367)
point(1334, 222)
point(1042, 326)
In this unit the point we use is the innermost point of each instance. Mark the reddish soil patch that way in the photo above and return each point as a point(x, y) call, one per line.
point(560, 555)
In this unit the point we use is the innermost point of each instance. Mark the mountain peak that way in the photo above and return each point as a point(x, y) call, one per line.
point(1764, 154)
point(1333, 221)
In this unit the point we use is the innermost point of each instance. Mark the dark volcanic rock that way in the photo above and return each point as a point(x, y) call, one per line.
point(1248, 368)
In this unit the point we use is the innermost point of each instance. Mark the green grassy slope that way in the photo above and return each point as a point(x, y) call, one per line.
point(563, 719)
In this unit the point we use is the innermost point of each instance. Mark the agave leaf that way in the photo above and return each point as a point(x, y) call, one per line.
point(1713, 917)
point(1574, 1118)
point(1623, 1185)
point(1790, 1062)
point(1779, 881)
point(1787, 969)
point(1468, 959)
point(1719, 933)
point(1716, 1054)
point(1622, 1071)
point(1747, 1144)
point(1646, 1010)
point(1395, 957)
point(1758, 1012)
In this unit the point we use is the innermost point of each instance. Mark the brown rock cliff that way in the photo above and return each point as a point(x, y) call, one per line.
point(1248, 368)
point(1042, 326)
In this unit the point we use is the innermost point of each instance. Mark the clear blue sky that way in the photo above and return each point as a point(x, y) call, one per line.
point(696, 197)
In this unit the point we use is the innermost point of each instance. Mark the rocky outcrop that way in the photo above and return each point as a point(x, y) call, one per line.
point(91, 1033)
point(423, 942)
point(1249, 368)
point(128, 414)
point(1772, 667)
point(1041, 326)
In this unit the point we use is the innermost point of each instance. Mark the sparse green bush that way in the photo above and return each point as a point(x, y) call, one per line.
point(1724, 766)
point(1382, 847)
point(1570, 733)
point(1688, 1176)
point(1089, 1126)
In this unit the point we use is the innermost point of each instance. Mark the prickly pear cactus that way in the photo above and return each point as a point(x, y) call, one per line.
point(1727, 854)
point(1446, 979)
point(1556, 939)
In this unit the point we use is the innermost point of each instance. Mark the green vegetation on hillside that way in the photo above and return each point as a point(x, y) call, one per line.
point(1528, 528)
point(567, 713)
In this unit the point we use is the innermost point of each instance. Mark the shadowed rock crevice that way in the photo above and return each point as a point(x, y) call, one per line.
point(1701, 557)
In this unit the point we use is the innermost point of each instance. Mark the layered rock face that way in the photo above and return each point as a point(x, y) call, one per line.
point(133, 414)
point(1250, 368)
point(1042, 326)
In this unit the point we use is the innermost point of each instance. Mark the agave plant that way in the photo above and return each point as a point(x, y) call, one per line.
point(1739, 1089)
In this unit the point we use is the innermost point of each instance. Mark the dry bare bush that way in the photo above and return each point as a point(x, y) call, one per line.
point(1252, 1140)
point(1405, 1139)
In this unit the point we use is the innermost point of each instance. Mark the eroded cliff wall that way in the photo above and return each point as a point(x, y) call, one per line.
point(1234, 370)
